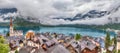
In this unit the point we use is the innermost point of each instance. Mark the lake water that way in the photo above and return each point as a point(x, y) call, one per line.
point(63, 30)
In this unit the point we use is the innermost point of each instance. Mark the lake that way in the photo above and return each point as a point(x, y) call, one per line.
point(63, 30)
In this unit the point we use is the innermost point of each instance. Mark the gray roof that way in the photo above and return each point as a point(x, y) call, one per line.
point(60, 49)
point(27, 49)
point(54, 49)
point(87, 44)
point(43, 37)
point(16, 37)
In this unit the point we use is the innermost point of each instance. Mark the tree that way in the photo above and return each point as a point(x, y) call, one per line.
point(4, 48)
point(14, 28)
point(115, 40)
point(107, 41)
point(114, 51)
point(77, 37)
point(8, 34)
point(16, 51)
point(118, 51)
point(115, 43)
point(2, 40)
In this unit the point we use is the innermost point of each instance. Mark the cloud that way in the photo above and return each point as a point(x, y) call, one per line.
point(6, 4)
point(45, 10)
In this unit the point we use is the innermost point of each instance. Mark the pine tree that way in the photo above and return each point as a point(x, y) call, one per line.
point(77, 37)
point(8, 34)
point(107, 41)
point(115, 40)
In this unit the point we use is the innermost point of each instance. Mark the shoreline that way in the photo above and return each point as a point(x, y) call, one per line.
point(63, 30)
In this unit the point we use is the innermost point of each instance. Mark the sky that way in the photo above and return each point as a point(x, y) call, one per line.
point(46, 10)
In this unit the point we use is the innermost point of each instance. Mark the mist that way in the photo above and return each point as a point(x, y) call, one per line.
point(46, 10)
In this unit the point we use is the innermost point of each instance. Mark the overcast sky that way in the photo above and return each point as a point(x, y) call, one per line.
point(45, 10)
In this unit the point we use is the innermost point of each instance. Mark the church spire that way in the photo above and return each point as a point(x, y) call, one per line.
point(11, 21)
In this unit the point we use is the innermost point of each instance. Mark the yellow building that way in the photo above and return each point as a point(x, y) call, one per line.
point(30, 34)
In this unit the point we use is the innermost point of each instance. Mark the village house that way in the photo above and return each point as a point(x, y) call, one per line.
point(101, 42)
point(88, 47)
point(75, 45)
point(84, 45)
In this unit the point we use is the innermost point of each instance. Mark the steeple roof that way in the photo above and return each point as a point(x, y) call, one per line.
point(11, 21)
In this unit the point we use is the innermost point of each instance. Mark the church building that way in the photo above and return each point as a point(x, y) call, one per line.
point(14, 32)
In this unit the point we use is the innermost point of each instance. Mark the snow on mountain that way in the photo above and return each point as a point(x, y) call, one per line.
point(6, 13)
point(55, 12)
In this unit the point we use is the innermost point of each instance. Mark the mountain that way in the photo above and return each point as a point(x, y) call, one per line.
point(7, 10)
point(93, 17)
point(104, 13)
point(90, 14)
point(5, 14)
point(20, 21)
point(63, 12)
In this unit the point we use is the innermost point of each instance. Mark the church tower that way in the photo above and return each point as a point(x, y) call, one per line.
point(11, 27)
